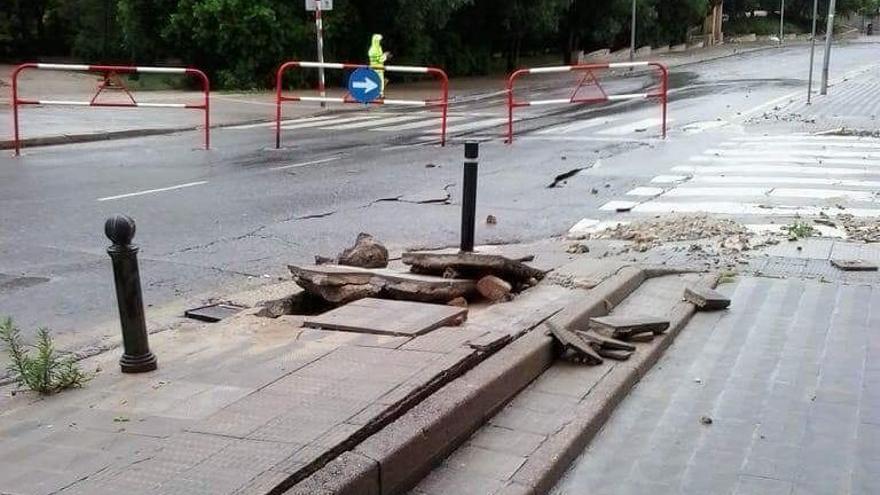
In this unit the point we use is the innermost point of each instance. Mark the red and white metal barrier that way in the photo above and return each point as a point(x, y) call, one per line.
point(442, 102)
point(589, 76)
point(111, 81)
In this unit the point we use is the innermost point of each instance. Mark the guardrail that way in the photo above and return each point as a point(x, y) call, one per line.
point(442, 102)
point(588, 77)
point(111, 80)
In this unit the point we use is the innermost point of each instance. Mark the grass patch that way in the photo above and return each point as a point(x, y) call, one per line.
point(799, 230)
point(47, 372)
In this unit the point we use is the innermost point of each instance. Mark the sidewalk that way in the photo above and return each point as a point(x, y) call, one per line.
point(246, 405)
point(53, 124)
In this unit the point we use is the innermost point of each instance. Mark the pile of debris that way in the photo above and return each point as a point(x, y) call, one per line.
point(860, 229)
point(447, 278)
point(728, 236)
point(614, 337)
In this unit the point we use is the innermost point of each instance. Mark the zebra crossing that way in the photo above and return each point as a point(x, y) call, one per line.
point(768, 176)
point(427, 124)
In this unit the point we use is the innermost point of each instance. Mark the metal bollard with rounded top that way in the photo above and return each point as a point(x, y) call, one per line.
point(136, 357)
point(469, 196)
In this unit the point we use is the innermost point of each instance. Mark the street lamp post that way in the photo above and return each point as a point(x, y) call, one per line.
point(829, 35)
point(812, 52)
point(781, 22)
point(632, 34)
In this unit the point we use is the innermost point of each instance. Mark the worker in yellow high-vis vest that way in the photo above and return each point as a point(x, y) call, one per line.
point(378, 57)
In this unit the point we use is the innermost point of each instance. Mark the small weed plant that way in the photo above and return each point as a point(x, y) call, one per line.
point(39, 367)
point(799, 230)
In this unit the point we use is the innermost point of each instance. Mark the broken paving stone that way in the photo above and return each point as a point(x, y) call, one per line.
point(342, 284)
point(574, 348)
point(706, 299)
point(614, 354)
point(471, 265)
point(366, 253)
point(601, 341)
point(578, 248)
point(626, 326)
point(459, 302)
point(854, 265)
point(213, 313)
point(494, 288)
point(384, 317)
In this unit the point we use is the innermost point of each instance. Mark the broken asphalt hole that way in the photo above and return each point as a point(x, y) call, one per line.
point(560, 179)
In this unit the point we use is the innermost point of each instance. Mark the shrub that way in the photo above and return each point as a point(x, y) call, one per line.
point(46, 373)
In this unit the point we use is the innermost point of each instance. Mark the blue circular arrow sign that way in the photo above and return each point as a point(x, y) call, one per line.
point(364, 85)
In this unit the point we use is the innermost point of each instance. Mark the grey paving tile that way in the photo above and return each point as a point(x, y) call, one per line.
point(446, 480)
point(506, 440)
point(754, 485)
point(484, 462)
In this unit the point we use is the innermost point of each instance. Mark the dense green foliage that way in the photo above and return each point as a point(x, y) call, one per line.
point(240, 42)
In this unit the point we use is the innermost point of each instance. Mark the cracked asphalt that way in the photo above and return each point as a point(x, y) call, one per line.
point(230, 219)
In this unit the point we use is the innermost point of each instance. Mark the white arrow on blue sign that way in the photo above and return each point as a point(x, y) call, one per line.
point(364, 84)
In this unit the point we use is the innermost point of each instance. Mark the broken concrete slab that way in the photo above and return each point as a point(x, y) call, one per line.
point(603, 342)
point(614, 354)
point(366, 253)
point(573, 346)
point(494, 288)
point(384, 317)
point(854, 265)
point(471, 265)
point(213, 312)
point(706, 299)
point(626, 326)
point(343, 284)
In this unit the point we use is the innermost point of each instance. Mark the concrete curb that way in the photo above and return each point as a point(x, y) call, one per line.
point(548, 464)
point(407, 449)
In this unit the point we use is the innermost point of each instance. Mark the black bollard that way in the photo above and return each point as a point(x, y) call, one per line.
point(136, 357)
point(469, 196)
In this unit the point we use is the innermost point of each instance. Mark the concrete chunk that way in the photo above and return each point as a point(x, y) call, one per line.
point(854, 265)
point(625, 326)
point(494, 288)
point(574, 346)
point(706, 299)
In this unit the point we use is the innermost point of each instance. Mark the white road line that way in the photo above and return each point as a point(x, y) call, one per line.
point(669, 179)
point(618, 205)
point(577, 126)
point(762, 145)
point(151, 191)
point(824, 194)
point(646, 191)
point(305, 164)
point(589, 139)
point(684, 192)
point(749, 192)
point(374, 122)
point(771, 160)
point(729, 208)
point(784, 169)
point(807, 137)
point(479, 125)
point(323, 121)
point(431, 122)
point(752, 153)
point(759, 179)
point(632, 127)
point(257, 126)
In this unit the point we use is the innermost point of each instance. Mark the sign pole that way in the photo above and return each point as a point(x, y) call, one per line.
point(781, 22)
point(812, 52)
point(632, 34)
point(319, 29)
point(829, 35)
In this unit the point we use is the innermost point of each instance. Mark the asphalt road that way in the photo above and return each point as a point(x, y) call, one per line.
point(213, 223)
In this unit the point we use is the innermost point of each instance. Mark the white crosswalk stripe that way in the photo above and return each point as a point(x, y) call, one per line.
point(767, 176)
point(632, 127)
point(577, 126)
